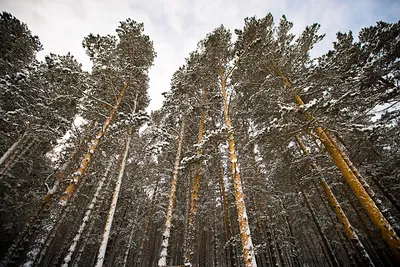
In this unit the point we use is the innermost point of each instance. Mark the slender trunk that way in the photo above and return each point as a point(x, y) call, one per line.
point(86, 218)
point(373, 212)
point(128, 248)
point(348, 228)
point(195, 189)
point(113, 205)
point(338, 137)
point(76, 176)
point(312, 255)
point(319, 228)
point(261, 234)
point(295, 253)
point(187, 211)
point(358, 213)
point(23, 236)
point(225, 208)
point(16, 158)
point(51, 191)
point(344, 240)
point(114, 245)
point(51, 229)
point(12, 148)
point(76, 261)
point(168, 221)
point(245, 235)
point(263, 207)
point(35, 220)
point(147, 223)
point(395, 202)
point(215, 232)
point(60, 173)
point(367, 187)
point(278, 247)
point(371, 236)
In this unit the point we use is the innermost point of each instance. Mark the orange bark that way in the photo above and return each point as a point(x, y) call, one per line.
point(333, 202)
point(89, 155)
point(373, 212)
point(366, 186)
point(247, 244)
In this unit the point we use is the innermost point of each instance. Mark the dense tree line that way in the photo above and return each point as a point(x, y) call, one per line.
point(259, 155)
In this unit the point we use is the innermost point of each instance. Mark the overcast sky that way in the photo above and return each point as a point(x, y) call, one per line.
point(175, 26)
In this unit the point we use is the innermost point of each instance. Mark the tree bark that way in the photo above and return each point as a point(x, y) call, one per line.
point(395, 202)
point(295, 252)
point(76, 260)
point(195, 188)
point(16, 158)
point(386, 213)
point(225, 207)
point(86, 218)
point(319, 228)
point(147, 223)
point(373, 212)
point(76, 176)
point(335, 205)
point(12, 148)
point(113, 205)
point(245, 235)
point(168, 221)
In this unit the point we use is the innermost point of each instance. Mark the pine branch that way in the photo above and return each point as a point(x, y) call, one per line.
point(96, 99)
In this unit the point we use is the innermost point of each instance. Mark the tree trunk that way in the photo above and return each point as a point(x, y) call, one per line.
point(344, 240)
point(168, 221)
point(86, 218)
point(372, 238)
point(261, 236)
point(16, 158)
point(295, 253)
point(51, 227)
point(386, 230)
point(225, 207)
point(147, 223)
point(128, 248)
point(76, 176)
point(195, 189)
point(245, 235)
point(60, 173)
point(348, 228)
point(113, 205)
point(263, 207)
point(319, 228)
point(367, 187)
point(395, 202)
point(215, 233)
point(76, 260)
point(12, 148)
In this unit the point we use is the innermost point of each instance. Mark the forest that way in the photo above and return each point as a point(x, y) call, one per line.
point(259, 156)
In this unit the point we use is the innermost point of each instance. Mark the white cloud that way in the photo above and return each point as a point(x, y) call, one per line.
point(176, 26)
